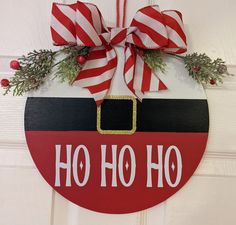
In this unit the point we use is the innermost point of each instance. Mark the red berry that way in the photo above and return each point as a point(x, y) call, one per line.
point(15, 65)
point(196, 68)
point(5, 83)
point(81, 59)
point(212, 82)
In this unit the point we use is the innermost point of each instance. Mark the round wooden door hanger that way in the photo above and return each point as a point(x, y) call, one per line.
point(123, 157)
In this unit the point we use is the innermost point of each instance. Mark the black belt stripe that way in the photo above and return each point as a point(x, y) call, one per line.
point(153, 115)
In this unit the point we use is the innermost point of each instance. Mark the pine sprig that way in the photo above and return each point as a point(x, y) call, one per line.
point(205, 70)
point(34, 68)
point(38, 65)
point(68, 68)
point(155, 60)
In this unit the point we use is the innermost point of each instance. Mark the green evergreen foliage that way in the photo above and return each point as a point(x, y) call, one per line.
point(38, 65)
point(155, 60)
point(34, 68)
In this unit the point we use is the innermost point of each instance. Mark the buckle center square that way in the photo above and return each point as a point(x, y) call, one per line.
point(117, 115)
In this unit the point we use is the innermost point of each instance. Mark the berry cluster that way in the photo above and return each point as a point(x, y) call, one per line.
point(15, 65)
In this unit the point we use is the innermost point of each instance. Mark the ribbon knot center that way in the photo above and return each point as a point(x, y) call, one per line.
point(118, 36)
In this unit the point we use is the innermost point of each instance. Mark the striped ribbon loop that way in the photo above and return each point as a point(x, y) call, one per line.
point(82, 24)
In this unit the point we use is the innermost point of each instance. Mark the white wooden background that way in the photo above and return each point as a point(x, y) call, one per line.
point(209, 197)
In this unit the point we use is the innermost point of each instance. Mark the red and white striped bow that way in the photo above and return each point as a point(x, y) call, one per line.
point(82, 24)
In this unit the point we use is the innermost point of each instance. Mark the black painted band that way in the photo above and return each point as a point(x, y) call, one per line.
point(153, 115)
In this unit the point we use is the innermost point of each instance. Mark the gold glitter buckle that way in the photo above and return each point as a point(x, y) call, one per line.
point(134, 116)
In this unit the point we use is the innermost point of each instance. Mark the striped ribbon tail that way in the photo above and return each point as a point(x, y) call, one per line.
point(97, 73)
point(138, 75)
